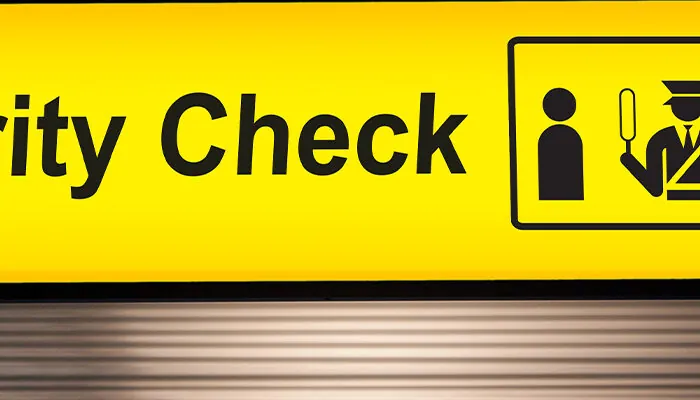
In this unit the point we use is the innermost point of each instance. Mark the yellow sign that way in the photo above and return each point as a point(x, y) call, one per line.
point(359, 141)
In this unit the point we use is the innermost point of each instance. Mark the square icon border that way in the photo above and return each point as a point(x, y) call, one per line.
point(514, 216)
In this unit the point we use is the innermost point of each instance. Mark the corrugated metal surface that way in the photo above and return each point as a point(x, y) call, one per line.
point(351, 350)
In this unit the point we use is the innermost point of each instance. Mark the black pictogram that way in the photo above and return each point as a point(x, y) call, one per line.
point(560, 150)
point(685, 106)
point(668, 163)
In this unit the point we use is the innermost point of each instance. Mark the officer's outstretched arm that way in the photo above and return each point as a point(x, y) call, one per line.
point(651, 177)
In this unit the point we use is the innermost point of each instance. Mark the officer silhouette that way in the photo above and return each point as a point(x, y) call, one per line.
point(560, 150)
point(679, 142)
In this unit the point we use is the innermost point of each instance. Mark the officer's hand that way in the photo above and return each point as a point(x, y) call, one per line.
point(626, 159)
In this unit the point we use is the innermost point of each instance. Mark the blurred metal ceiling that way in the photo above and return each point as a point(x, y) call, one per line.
point(351, 350)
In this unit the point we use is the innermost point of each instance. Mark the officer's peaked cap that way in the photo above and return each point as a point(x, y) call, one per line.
point(683, 90)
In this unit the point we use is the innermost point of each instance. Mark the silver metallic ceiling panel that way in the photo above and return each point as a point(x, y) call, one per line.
point(351, 350)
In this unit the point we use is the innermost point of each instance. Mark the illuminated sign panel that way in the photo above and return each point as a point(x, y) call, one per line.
point(359, 141)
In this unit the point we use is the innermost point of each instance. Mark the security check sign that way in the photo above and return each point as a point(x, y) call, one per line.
point(358, 141)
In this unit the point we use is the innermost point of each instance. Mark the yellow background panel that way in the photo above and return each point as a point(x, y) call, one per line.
point(149, 223)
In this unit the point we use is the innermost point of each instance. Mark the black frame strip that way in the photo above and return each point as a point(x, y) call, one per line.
point(636, 289)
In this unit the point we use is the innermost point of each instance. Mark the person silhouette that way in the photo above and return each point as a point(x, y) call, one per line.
point(560, 150)
point(672, 148)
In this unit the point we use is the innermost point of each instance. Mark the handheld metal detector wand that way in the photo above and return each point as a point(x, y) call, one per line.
point(628, 117)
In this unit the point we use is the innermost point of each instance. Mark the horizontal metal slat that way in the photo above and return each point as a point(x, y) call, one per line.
point(351, 350)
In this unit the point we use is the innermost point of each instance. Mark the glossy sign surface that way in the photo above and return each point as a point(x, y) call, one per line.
point(360, 141)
